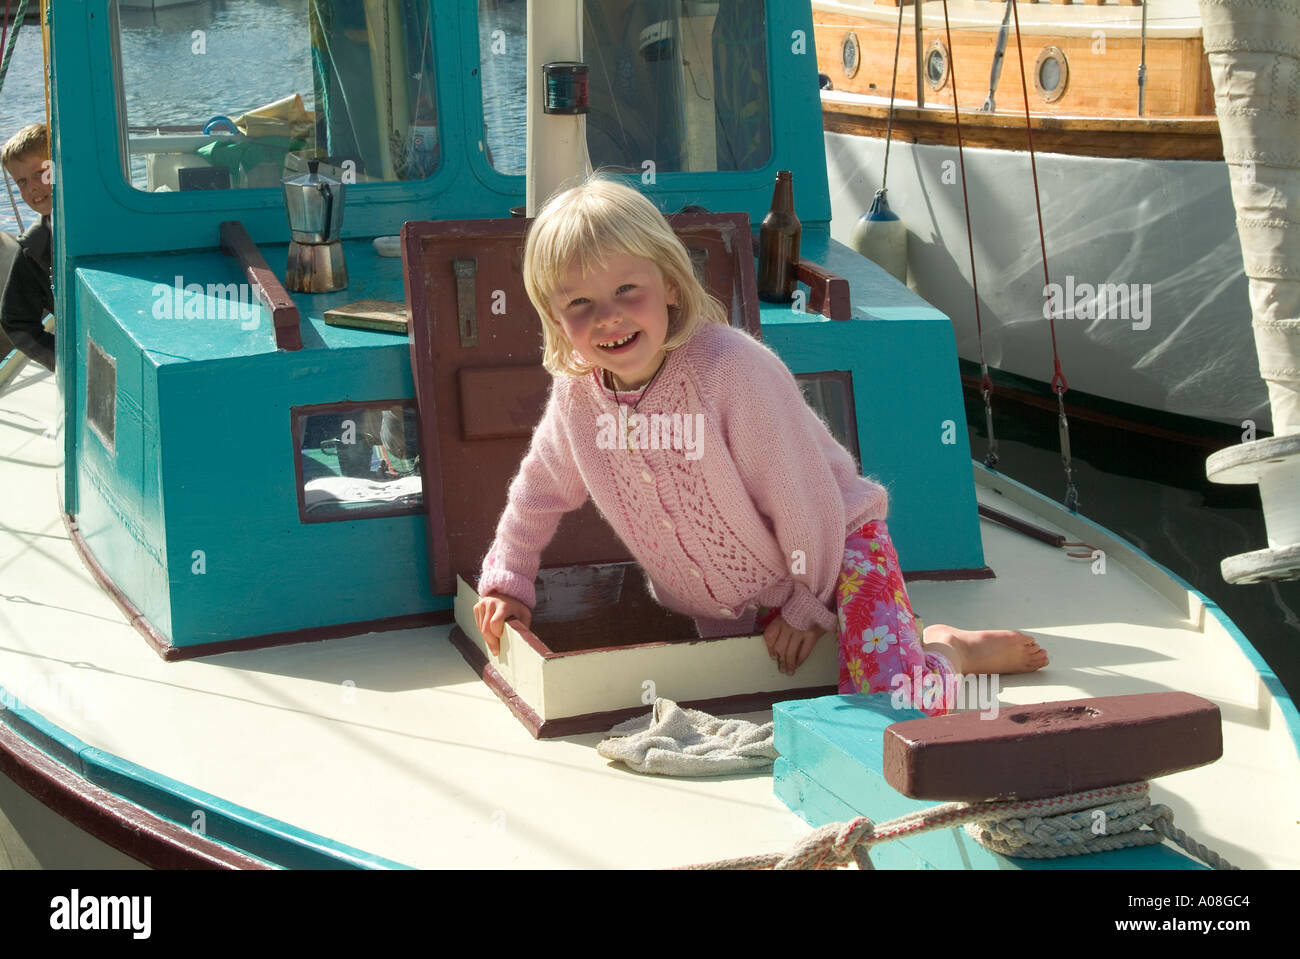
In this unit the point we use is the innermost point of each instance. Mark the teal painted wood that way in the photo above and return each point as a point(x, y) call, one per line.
point(833, 747)
point(817, 807)
point(275, 842)
point(216, 550)
point(121, 515)
point(911, 419)
point(203, 464)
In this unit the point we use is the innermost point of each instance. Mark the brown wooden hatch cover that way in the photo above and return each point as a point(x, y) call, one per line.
point(480, 385)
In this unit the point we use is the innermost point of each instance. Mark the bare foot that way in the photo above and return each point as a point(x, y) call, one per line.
point(986, 650)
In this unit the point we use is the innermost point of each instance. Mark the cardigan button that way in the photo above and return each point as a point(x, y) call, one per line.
point(665, 524)
point(696, 573)
point(726, 612)
point(647, 476)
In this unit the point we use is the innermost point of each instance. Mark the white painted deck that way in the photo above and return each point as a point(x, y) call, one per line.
point(420, 763)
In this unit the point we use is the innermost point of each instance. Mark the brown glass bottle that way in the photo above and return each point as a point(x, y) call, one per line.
point(778, 244)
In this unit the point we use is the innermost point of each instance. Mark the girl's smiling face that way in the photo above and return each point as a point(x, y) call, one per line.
point(616, 316)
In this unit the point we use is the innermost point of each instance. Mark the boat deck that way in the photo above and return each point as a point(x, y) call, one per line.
point(388, 743)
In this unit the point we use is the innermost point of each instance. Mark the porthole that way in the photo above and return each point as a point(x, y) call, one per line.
point(850, 55)
point(1051, 74)
point(936, 65)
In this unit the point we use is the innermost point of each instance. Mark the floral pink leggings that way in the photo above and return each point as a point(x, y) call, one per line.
point(878, 638)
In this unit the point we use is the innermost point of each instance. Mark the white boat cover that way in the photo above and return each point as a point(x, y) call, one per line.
point(1254, 52)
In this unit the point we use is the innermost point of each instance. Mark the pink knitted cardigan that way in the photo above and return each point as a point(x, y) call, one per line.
point(754, 512)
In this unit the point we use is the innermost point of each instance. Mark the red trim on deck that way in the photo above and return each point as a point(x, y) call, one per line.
point(601, 722)
point(129, 828)
point(951, 575)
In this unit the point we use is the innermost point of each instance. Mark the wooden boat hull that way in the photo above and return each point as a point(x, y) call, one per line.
point(1160, 226)
point(1127, 199)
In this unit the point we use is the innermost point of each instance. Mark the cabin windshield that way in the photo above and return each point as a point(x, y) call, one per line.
point(675, 85)
point(222, 94)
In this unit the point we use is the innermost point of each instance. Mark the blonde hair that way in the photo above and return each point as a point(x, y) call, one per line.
point(586, 224)
point(33, 138)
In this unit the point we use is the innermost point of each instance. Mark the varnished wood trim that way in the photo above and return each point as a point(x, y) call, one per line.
point(236, 242)
point(949, 575)
point(1190, 138)
point(1103, 65)
point(477, 660)
point(163, 646)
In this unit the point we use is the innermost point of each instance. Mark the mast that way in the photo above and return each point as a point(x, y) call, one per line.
point(556, 143)
point(1254, 62)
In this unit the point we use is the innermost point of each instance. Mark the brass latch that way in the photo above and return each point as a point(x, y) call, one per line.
point(466, 271)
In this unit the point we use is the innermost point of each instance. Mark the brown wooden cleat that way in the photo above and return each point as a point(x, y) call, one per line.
point(1052, 749)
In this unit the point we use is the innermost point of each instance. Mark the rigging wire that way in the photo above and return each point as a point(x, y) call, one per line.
point(1059, 383)
point(7, 45)
point(986, 381)
point(893, 86)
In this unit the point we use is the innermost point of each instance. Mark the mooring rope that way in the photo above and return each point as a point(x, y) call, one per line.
point(1027, 829)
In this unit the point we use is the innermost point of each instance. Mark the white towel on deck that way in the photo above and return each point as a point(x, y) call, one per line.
point(674, 741)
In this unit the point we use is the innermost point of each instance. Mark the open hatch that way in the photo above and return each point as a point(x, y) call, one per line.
point(600, 648)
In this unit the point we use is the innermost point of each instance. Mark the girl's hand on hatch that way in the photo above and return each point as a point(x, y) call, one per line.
point(790, 646)
point(493, 611)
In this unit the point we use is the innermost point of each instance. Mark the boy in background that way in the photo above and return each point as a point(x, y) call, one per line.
point(25, 262)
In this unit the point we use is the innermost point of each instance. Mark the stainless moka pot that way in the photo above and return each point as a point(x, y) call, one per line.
point(314, 203)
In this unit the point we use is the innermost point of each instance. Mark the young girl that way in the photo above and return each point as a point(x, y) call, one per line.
point(747, 508)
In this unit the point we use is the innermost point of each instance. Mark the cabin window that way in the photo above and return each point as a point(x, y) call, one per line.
point(357, 460)
point(221, 94)
point(831, 397)
point(675, 85)
point(101, 394)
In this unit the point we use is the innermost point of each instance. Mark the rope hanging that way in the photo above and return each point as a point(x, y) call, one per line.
point(8, 41)
point(986, 381)
point(1027, 829)
point(893, 86)
point(1059, 384)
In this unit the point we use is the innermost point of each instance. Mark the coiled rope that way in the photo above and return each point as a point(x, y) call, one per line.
point(1027, 829)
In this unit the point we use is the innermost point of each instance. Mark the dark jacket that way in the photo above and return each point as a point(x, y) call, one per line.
point(27, 295)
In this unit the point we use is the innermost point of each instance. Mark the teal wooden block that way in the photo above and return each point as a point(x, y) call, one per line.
point(199, 486)
point(831, 749)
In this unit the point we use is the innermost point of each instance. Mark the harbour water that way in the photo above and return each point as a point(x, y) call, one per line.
point(22, 101)
point(1151, 491)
